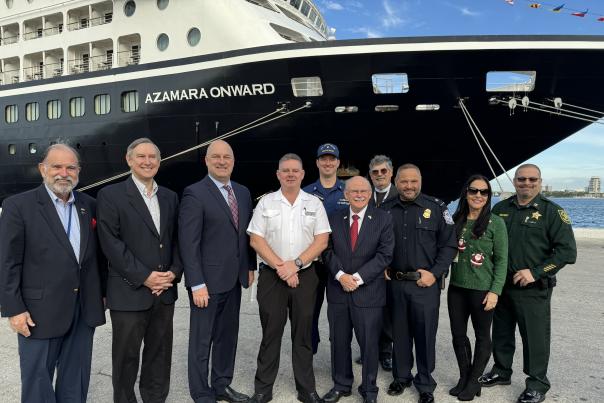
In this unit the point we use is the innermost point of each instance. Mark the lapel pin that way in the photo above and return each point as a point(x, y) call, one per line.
point(82, 210)
point(369, 217)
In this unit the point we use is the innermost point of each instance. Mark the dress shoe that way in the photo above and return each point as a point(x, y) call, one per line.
point(386, 363)
point(491, 379)
point(334, 395)
point(309, 397)
point(231, 395)
point(260, 398)
point(359, 361)
point(397, 387)
point(426, 397)
point(531, 396)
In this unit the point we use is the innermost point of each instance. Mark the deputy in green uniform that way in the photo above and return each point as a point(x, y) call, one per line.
point(541, 242)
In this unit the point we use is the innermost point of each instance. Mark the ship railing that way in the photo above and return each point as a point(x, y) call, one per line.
point(77, 66)
point(90, 22)
point(53, 30)
point(10, 76)
point(128, 57)
point(33, 73)
point(39, 33)
point(7, 40)
point(53, 70)
point(102, 62)
point(32, 34)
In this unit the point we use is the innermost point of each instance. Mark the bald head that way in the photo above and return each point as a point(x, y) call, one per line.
point(358, 193)
point(220, 161)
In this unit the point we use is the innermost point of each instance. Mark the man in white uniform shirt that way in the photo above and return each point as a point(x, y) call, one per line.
point(289, 229)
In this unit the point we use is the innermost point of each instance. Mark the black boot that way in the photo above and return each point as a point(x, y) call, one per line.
point(482, 354)
point(472, 388)
point(463, 353)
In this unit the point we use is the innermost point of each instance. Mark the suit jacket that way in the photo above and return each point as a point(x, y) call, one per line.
point(134, 248)
point(392, 193)
point(214, 251)
point(373, 252)
point(39, 271)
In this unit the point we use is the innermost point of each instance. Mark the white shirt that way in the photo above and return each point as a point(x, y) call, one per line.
point(151, 201)
point(289, 229)
point(361, 215)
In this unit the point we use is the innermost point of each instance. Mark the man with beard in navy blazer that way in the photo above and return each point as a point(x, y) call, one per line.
point(362, 243)
point(52, 280)
point(218, 261)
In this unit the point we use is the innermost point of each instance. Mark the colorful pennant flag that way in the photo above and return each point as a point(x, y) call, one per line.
point(558, 9)
point(601, 19)
point(510, 2)
point(535, 5)
point(580, 14)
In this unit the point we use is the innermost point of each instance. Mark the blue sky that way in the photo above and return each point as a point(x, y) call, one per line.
point(567, 165)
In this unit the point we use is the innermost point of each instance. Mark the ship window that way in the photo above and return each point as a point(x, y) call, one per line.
point(53, 109)
point(162, 42)
point(102, 104)
point(295, 3)
point(307, 86)
point(11, 114)
point(390, 83)
point(12, 149)
point(305, 8)
point(511, 81)
point(386, 108)
point(9, 3)
point(77, 107)
point(162, 4)
point(129, 101)
point(33, 148)
point(129, 8)
point(194, 36)
point(32, 111)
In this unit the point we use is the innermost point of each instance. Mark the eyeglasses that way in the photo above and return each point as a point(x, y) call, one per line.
point(474, 191)
point(382, 171)
point(532, 179)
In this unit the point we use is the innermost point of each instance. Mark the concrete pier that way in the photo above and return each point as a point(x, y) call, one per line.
point(576, 364)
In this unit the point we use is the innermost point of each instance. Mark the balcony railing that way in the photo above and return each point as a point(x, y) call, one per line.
point(33, 73)
point(77, 66)
point(7, 40)
point(53, 70)
point(103, 62)
point(32, 34)
point(90, 22)
point(10, 77)
point(128, 57)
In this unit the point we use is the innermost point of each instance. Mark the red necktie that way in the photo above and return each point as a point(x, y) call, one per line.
point(354, 231)
point(232, 205)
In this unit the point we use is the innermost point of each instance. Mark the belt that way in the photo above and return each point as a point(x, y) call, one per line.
point(264, 266)
point(404, 275)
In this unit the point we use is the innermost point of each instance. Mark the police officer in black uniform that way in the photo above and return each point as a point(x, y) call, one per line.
point(425, 245)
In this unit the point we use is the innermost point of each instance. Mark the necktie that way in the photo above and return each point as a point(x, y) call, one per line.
point(232, 205)
point(354, 231)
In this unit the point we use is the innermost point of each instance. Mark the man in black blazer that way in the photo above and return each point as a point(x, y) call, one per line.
point(51, 280)
point(361, 247)
point(218, 261)
point(137, 231)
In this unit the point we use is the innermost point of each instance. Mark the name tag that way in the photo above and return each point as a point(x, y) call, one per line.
point(310, 213)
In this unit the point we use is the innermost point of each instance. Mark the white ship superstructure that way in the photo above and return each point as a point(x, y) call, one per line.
point(41, 39)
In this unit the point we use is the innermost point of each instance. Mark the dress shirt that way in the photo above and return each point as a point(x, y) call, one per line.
point(151, 201)
point(63, 210)
point(289, 229)
point(361, 215)
point(224, 194)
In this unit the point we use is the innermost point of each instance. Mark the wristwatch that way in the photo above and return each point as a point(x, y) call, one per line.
point(299, 263)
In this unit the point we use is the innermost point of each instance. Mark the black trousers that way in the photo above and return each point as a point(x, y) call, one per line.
point(414, 313)
point(322, 273)
point(70, 355)
point(215, 328)
point(386, 334)
point(130, 330)
point(275, 301)
point(463, 304)
point(366, 323)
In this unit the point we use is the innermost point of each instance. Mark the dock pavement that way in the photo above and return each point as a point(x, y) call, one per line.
point(576, 365)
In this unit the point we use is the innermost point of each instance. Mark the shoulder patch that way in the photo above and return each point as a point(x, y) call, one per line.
point(447, 217)
point(564, 216)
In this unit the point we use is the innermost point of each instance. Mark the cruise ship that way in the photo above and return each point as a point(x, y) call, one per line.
point(268, 76)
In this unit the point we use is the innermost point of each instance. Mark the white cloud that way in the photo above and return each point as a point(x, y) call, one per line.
point(391, 19)
point(468, 13)
point(332, 5)
point(367, 31)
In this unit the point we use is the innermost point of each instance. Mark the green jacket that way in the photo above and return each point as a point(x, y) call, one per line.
point(540, 236)
point(481, 264)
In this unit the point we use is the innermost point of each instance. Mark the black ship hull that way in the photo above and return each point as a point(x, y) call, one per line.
point(243, 86)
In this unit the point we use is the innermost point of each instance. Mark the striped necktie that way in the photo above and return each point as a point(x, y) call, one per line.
point(232, 205)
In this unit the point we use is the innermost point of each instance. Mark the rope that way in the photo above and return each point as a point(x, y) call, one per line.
point(558, 113)
point(248, 126)
point(596, 118)
point(580, 107)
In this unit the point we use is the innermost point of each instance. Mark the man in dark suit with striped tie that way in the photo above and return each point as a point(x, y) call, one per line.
point(361, 246)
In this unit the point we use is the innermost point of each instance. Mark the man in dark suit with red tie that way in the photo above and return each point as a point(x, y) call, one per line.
point(218, 261)
point(52, 280)
point(361, 246)
point(137, 230)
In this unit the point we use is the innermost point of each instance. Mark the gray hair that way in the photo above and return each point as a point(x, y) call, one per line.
point(60, 146)
point(380, 159)
point(527, 166)
point(361, 177)
point(291, 156)
point(408, 166)
point(139, 141)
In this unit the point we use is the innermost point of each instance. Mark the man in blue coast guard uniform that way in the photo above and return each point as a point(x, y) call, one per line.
point(330, 190)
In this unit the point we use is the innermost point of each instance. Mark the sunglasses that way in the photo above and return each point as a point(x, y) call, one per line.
point(382, 171)
point(474, 191)
point(532, 179)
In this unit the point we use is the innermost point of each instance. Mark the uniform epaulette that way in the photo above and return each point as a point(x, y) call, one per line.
point(435, 200)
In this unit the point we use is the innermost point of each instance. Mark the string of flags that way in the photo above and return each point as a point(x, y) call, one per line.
point(561, 8)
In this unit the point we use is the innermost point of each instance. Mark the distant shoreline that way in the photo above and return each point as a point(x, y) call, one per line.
point(589, 233)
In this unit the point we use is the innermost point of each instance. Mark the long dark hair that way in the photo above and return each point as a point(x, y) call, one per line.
point(461, 213)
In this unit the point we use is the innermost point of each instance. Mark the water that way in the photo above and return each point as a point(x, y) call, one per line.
point(584, 213)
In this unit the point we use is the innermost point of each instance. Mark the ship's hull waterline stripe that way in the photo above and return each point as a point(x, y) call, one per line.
point(305, 52)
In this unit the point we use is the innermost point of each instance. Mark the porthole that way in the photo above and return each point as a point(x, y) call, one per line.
point(162, 42)
point(9, 3)
point(77, 107)
point(53, 109)
point(129, 8)
point(102, 104)
point(11, 114)
point(12, 148)
point(129, 101)
point(32, 111)
point(33, 148)
point(194, 36)
point(162, 4)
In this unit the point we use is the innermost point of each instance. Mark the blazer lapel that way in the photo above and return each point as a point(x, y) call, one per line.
point(346, 228)
point(220, 200)
point(136, 199)
point(49, 212)
point(365, 226)
point(163, 212)
point(85, 223)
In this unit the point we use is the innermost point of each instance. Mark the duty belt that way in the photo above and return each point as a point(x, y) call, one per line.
point(404, 275)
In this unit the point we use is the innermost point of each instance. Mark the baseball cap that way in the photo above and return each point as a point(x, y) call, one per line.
point(328, 149)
